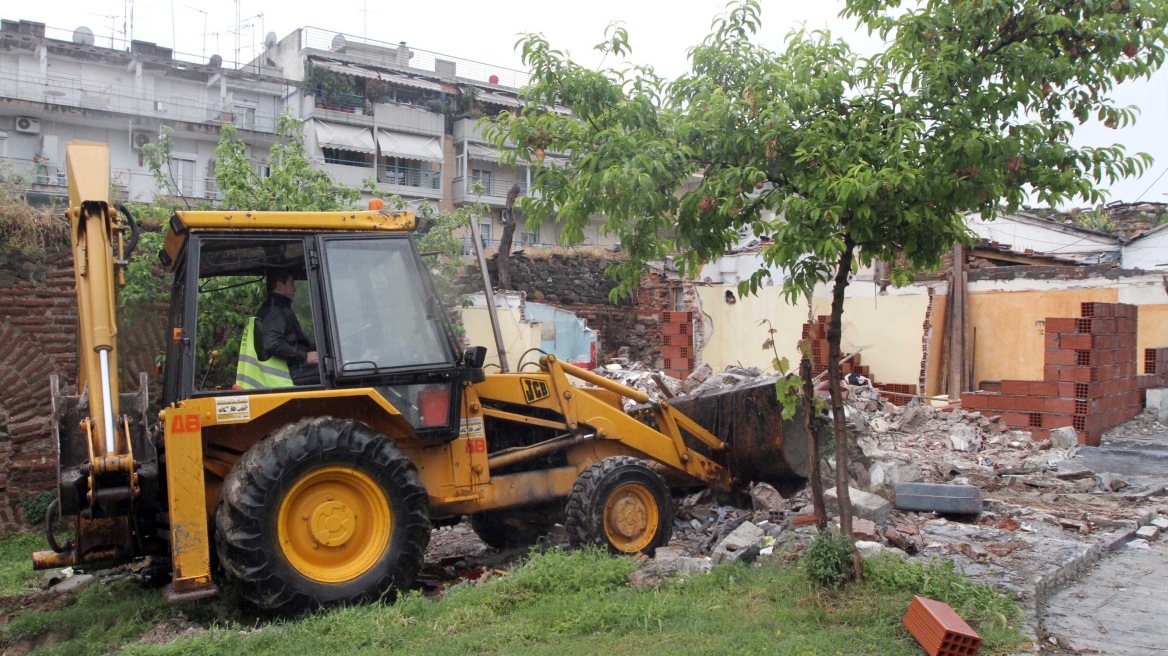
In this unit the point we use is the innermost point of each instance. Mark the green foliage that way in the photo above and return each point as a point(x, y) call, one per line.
point(33, 506)
point(292, 183)
point(328, 84)
point(939, 580)
point(966, 110)
point(828, 559)
point(26, 231)
point(1095, 220)
point(787, 386)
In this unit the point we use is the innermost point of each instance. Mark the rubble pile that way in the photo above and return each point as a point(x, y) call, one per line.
point(699, 381)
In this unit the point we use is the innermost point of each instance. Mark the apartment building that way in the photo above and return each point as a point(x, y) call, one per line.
point(406, 118)
point(58, 87)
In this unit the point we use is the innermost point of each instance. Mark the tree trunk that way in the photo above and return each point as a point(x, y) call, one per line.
point(813, 445)
point(504, 260)
point(834, 333)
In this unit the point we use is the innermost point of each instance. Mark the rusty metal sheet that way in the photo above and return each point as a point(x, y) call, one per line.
point(760, 445)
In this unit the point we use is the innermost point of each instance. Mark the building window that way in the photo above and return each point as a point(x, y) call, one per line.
point(346, 157)
point(244, 117)
point(486, 231)
point(529, 237)
point(482, 176)
point(184, 175)
point(409, 173)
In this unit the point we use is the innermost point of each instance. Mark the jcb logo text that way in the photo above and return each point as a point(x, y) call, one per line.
point(534, 390)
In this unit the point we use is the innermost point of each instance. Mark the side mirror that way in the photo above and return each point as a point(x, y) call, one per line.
point(474, 357)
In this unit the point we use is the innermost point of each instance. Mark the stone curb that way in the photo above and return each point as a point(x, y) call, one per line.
point(1069, 570)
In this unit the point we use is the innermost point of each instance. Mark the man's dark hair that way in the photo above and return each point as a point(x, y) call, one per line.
point(277, 276)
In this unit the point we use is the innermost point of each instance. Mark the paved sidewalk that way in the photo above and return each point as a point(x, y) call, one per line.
point(1116, 608)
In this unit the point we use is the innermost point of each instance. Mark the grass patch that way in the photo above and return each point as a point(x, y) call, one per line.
point(560, 603)
point(553, 603)
point(16, 573)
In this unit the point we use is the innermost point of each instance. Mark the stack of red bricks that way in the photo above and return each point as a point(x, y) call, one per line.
point(816, 333)
point(1090, 381)
point(677, 335)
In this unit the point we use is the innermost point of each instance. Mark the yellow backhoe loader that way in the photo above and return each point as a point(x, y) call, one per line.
point(323, 488)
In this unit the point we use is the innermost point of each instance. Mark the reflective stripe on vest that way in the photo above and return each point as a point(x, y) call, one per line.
point(251, 372)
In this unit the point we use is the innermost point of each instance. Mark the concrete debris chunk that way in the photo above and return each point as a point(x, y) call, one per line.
point(1160, 523)
point(742, 544)
point(964, 438)
point(1108, 482)
point(1063, 438)
point(1073, 470)
point(766, 498)
point(891, 472)
point(864, 504)
point(863, 529)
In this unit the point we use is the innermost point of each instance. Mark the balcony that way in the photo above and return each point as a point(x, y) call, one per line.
point(494, 189)
point(410, 181)
point(49, 178)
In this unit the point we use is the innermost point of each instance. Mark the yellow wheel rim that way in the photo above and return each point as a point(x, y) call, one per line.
point(334, 524)
point(631, 517)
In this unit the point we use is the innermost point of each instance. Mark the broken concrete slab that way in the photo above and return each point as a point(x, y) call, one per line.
point(938, 497)
point(864, 504)
point(891, 472)
point(1148, 533)
point(1160, 523)
point(75, 583)
point(739, 544)
point(864, 529)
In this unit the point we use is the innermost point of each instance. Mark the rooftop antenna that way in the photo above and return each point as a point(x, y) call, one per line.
point(204, 13)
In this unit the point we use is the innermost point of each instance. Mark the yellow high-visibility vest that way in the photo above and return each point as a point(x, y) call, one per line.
point(253, 373)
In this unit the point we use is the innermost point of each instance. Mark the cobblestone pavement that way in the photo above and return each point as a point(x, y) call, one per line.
point(1116, 608)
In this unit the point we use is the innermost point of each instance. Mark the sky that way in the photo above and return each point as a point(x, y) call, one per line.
point(660, 33)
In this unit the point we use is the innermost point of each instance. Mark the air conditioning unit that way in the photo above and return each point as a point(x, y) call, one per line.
point(141, 139)
point(27, 125)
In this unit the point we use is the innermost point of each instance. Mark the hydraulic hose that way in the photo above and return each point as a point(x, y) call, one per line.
point(133, 243)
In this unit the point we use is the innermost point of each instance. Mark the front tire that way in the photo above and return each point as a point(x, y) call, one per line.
point(325, 511)
point(622, 504)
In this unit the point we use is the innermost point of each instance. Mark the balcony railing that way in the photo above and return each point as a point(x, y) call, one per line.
point(409, 176)
point(74, 91)
point(50, 176)
point(493, 186)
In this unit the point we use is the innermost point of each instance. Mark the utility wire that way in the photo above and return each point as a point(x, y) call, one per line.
point(1141, 196)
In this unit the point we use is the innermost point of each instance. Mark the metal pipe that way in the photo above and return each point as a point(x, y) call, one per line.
point(489, 293)
point(602, 382)
point(107, 403)
point(512, 456)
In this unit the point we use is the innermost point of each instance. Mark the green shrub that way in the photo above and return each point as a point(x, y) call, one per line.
point(828, 559)
point(33, 506)
point(939, 580)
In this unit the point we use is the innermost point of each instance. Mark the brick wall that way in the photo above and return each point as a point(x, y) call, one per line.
point(38, 338)
point(577, 282)
point(1090, 378)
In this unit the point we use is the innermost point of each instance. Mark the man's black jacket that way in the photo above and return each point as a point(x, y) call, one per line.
point(283, 337)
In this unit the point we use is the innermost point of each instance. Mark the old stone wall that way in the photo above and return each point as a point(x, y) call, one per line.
point(38, 338)
point(577, 282)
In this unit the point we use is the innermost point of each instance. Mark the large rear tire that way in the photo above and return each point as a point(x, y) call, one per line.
point(622, 504)
point(325, 511)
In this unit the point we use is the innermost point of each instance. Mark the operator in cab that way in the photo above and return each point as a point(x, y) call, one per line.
point(282, 335)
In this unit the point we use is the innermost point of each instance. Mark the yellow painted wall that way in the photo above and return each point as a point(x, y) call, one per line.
point(935, 380)
point(518, 337)
point(1153, 329)
point(889, 328)
point(1010, 342)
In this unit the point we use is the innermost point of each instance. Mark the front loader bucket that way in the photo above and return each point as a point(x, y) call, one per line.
point(760, 445)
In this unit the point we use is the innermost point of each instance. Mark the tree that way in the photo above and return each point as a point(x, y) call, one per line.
point(841, 159)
